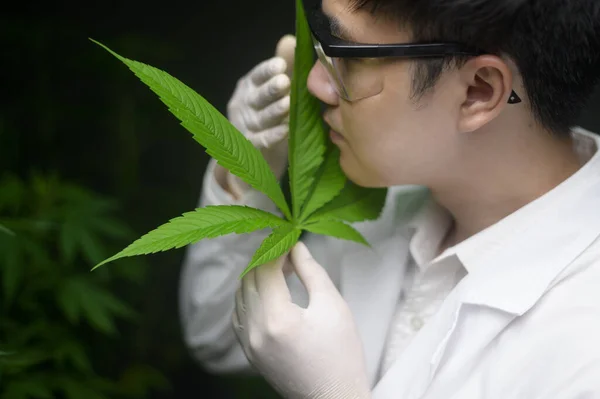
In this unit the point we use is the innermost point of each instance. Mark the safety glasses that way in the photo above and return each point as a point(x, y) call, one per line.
point(351, 66)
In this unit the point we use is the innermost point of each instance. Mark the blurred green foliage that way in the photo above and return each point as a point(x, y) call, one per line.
point(88, 162)
point(53, 310)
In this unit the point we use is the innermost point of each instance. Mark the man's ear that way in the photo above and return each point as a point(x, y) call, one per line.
point(487, 81)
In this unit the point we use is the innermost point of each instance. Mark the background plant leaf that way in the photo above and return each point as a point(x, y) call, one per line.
point(81, 297)
point(71, 351)
point(13, 194)
point(33, 387)
point(330, 180)
point(337, 229)
point(48, 305)
point(24, 359)
point(11, 265)
point(5, 230)
point(353, 204)
point(307, 132)
point(206, 222)
point(15, 253)
point(281, 240)
point(86, 224)
point(211, 129)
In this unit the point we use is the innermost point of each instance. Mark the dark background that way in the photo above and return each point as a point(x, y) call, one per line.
point(71, 108)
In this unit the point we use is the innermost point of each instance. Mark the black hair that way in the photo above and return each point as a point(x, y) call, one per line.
point(554, 43)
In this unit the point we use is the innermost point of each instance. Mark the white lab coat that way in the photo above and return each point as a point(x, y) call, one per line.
point(524, 323)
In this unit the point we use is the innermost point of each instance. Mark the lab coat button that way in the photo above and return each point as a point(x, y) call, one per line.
point(417, 323)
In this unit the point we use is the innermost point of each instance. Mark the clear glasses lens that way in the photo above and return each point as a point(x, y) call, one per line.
point(353, 78)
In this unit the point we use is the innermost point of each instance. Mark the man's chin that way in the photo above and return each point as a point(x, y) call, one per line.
point(357, 176)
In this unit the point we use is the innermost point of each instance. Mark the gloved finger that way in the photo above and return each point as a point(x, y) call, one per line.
point(266, 70)
point(270, 137)
point(275, 88)
point(314, 278)
point(286, 48)
point(271, 284)
point(273, 114)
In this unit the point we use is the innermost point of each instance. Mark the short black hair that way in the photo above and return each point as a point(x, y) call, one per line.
point(554, 43)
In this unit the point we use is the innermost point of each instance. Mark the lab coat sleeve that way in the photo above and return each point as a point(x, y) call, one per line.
point(210, 277)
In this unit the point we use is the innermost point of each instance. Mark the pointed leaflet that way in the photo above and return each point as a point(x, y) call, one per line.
point(329, 182)
point(280, 241)
point(207, 222)
point(211, 129)
point(337, 229)
point(307, 133)
point(354, 204)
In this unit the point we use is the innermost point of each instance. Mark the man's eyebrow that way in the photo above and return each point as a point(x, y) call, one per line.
point(338, 29)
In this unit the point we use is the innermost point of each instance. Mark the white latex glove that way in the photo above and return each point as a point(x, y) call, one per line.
point(259, 108)
point(309, 353)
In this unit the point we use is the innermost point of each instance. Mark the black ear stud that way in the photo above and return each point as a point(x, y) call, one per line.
point(514, 98)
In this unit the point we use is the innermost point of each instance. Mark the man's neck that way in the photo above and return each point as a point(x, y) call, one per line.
point(499, 176)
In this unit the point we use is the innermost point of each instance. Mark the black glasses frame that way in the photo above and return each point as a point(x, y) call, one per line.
point(336, 47)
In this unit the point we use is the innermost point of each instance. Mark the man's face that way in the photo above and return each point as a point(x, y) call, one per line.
point(386, 139)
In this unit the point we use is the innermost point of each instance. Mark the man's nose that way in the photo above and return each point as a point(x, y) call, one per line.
point(319, 84)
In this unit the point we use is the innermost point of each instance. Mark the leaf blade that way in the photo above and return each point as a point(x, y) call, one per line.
point(336, 229)
point(206, 222)
point(353, 204)
point(281, 240)
point(211, 129)
point(307, 133)
point(329, 183)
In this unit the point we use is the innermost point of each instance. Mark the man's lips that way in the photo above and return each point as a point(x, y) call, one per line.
point(334, 133)
point(335, 136)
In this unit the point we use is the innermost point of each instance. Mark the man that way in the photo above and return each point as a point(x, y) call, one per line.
point(491, 289)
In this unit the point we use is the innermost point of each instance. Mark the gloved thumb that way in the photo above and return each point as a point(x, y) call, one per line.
point(286, 48)
point(313, 276)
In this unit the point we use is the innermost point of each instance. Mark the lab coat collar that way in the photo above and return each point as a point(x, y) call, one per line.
point(510, 264)
point(517, 255)
point(513, 263)
point(430, 224)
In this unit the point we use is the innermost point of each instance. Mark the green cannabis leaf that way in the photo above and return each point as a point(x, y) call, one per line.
point(335, 228)
point(207, 222)
point(281, 240)
point(354, 204)
point(322, 198)
point(211, 129)
point(306, 133)
point(329, 181)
